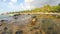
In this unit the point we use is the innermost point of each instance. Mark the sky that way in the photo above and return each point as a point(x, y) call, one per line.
point(19, 5)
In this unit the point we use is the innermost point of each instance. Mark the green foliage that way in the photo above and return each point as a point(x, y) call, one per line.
point(59, 4)
point(46, 8)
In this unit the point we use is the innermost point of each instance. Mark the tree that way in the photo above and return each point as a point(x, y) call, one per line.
point(59, 4)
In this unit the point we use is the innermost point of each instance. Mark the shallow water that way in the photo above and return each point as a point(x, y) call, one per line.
point(3, 16)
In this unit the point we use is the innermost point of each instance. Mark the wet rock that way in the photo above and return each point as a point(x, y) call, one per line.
point(0, 24)
point(50, 28)
point(5, 29)
point(36, 33)
point(19, 32)
point(36, 28)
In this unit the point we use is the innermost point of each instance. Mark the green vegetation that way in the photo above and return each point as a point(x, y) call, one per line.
point(46, 8)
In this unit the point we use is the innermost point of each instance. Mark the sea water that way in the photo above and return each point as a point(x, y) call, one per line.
point(3, 17)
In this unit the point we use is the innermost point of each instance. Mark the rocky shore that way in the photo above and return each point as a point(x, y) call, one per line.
point(29, 24)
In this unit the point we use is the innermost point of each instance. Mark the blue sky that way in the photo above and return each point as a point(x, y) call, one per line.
point(18, 5)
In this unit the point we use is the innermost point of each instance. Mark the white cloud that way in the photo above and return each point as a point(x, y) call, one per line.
point(4, 0)
point(40, 3)
point(13, 1)
point(1, 10)
point(29, 0)
point(10, 3)
point(27, 4)
point(20, 7)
